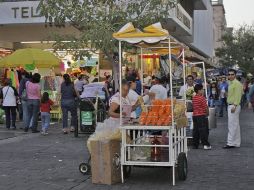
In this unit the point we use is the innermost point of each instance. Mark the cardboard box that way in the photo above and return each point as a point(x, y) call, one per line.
point(105, 162)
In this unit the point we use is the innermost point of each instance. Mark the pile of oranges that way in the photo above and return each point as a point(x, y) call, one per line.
point(159, 114)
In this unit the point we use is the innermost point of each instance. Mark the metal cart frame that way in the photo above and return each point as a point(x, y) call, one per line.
point(177, 145)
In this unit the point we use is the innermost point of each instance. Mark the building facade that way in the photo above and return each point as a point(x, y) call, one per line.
point(220, 25)
point(21, 26)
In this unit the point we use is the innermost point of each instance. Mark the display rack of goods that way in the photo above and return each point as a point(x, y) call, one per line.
point(160, 114)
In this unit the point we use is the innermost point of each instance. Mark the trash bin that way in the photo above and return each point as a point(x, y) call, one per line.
point(88, 114)
point(212, 118)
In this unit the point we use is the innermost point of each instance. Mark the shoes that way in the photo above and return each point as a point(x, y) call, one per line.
point(194, 147)
point(35, 131)
point(44, 133)
point(207, 147)
point(228, 147)
point(13, 128)
point(26, 129)
point(72, 129)
point(220, 115)
point(65, 132)
point(20, 127)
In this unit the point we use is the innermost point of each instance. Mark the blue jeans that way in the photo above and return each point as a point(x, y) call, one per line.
point(25, 114)
point(45, 121)
point(33, 109)
point(69, 106)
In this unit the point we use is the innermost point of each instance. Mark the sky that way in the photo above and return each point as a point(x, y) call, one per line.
point(239, 12)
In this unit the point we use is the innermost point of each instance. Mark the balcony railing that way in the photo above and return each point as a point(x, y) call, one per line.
point(182, 18)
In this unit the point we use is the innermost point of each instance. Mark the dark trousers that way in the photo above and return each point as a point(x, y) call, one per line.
point(10, 114)
point(69, 106)
point(200, 130)
point(223, 104)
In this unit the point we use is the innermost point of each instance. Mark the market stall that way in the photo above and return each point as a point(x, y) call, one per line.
point(159, 139)
point(35, 61)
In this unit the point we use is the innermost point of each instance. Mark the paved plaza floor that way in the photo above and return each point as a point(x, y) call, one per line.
point(34, 162)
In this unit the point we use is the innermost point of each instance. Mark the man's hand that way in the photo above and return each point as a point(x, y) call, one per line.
point(233, 109)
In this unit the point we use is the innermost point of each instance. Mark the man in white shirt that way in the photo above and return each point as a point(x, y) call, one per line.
point(189, 85)
point(159, 90)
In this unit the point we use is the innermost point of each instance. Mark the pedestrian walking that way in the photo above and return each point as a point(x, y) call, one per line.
point(200, 120)
point(46, 104)
point(250, 96)
point(235, 92)
point(223, 89)
point(214, 94)
point(33, 91)
point(9, 96)
point(68, 103)
point(23, 95)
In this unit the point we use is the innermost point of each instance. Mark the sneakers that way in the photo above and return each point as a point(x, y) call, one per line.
point(207, 147)
point(44, 131)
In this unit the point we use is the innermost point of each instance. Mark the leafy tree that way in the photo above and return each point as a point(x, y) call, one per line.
point(238, 49)
point(97, 20)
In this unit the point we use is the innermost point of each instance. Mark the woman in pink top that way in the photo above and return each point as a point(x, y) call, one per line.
point(33, 91)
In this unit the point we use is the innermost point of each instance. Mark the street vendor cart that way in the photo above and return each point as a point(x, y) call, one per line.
point(155, 141)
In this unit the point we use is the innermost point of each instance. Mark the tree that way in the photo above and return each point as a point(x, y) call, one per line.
point(238, 49)
point(97, 20)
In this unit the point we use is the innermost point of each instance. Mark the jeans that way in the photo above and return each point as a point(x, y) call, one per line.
point(24, 110)
point(69, 106)
point(223, 104)
point(45, 121)
point(10, 114)
point(33, 109)
point(200, 130)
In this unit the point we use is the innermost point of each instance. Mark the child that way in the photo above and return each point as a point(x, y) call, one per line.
point(200, 121)
point(45, 112)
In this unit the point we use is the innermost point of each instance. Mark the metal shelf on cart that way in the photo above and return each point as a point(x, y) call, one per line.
point(144, 127)
point(148, 163)
point(146, 145)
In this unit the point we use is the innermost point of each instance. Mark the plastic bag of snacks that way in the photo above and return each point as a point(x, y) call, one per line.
point(2, 116)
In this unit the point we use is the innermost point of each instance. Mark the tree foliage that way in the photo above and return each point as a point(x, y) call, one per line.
point(97, 20)
point(238, 49)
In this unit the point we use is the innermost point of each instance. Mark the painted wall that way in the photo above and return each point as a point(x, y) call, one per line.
point(204, 30)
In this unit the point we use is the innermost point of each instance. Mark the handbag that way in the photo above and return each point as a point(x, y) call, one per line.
point(24, 94)
point(1, 104)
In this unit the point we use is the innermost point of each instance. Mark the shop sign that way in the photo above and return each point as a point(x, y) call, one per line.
point(20, 13)
point(86, 118)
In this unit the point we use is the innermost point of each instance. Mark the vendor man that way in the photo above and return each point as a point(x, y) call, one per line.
point(158, 89)
point(188, 86)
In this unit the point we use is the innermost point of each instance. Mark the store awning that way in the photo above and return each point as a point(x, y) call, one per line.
point(30, 58)
point(151, 34)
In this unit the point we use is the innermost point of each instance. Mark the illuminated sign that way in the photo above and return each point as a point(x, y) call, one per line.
point(20, 13)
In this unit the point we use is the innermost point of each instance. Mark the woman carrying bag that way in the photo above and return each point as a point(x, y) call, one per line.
point(9, 97)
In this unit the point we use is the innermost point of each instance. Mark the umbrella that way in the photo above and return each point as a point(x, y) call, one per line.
point(30, 58)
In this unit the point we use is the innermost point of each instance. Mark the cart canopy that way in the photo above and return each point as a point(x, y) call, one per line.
point(151, 34)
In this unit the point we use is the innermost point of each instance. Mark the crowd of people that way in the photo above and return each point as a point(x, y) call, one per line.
point(32, 104)
point(224, 94)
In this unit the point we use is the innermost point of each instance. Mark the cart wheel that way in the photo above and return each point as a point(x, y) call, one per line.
point(84, 168)
point(126, 171)
point(182, 167)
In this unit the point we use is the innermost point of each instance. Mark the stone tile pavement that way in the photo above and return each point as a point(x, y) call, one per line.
point(31, 161)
